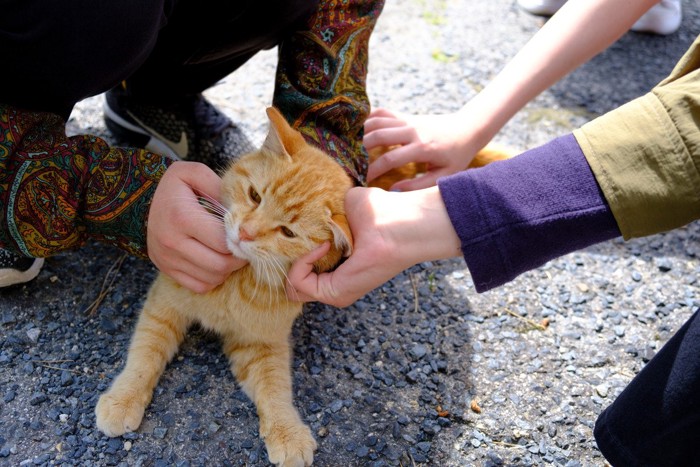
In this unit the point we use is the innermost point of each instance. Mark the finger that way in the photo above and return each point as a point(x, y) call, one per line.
point(399, 135)
point(393, 159)
point(203, 263)
point(427, 180)
point(319, 288)
point(317, 253)
point(201, 179)
point(302, 281)
point(202, 277)
point(378, 123)
point(210, 234)
point(382, 112)
point(296, 296)
point(190, 282)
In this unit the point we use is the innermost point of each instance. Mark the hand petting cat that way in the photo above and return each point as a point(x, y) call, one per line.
point(184, 241)
point(448, 143)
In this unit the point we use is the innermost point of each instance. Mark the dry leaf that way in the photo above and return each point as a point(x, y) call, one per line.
point(475, 406)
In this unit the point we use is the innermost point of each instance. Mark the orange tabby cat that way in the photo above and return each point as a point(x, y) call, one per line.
point(488, 154)
point(280, 202)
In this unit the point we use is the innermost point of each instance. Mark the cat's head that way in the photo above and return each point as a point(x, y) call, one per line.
point(283, 201)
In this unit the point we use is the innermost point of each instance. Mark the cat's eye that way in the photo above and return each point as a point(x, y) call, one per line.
point(254, 195)
point(287, 232)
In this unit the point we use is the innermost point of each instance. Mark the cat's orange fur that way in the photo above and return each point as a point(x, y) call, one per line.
point(286, 185)
point(490, 153)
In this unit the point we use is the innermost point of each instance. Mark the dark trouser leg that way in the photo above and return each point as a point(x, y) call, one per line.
point(204, 41)
point(656, 420)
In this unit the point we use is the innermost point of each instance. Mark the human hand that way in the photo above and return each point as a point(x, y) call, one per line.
point(391, 232)
point(184, 240)
point(447, 143)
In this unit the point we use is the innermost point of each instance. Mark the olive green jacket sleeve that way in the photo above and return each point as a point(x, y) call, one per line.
point(646, 154)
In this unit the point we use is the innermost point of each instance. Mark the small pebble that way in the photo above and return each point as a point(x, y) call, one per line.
point(34, 334)
point(602, 390)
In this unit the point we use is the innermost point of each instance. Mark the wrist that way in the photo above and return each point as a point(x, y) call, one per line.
point(424, 231)
point(479, 122)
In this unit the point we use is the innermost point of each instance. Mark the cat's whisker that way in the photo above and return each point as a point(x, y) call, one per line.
point(198, 207)
point(288, 282)
point(256, 263)
point(216, 209)
point(205, 212)
point(280, 274)
point(207, 217)
point(270, 278)
point(270, 271)
point(213, 206)
point(210, 199)
point(209, 204)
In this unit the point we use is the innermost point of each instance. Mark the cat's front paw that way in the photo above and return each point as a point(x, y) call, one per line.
point(290, 445)
point(118, 413)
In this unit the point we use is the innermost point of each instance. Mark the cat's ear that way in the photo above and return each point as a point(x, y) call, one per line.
point(342, 236)
point(342, 244)
point(282, 138)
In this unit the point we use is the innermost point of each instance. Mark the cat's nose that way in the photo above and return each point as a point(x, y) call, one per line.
point(244, 235)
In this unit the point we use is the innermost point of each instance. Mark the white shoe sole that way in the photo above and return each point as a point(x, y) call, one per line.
point(663, 19)
point(12, 276)
point(541, 7)
point(154, 144)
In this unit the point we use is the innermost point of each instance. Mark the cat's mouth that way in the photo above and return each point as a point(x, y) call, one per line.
point(234, 243)
point(237, 248)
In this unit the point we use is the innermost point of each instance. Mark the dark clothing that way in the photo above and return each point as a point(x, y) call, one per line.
point(63, 52)
point(58, 53)
point(200, 46)
point(655, 421)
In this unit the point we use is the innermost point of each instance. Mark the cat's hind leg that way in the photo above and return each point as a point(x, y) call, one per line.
point(159, 332)
point(264, 373)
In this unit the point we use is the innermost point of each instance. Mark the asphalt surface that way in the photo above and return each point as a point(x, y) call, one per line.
point(422, 371)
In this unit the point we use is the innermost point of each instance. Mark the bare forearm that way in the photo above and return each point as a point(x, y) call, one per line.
point(420, 226)
point(578, 32)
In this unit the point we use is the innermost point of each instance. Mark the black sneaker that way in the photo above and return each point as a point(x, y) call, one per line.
point(17, 269)
point(189, 129)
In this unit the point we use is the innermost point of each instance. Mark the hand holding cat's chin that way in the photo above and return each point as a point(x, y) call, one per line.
point(184, 241)
point(392, 231)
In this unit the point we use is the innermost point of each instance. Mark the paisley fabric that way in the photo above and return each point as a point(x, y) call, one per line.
point(56, 191)
point(321, 78)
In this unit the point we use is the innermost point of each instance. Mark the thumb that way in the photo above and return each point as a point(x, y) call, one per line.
point(302, 280)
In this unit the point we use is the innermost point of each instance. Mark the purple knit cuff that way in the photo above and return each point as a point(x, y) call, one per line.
point(515, 215)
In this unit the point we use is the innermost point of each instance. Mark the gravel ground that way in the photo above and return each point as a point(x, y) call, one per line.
point(423, 371)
